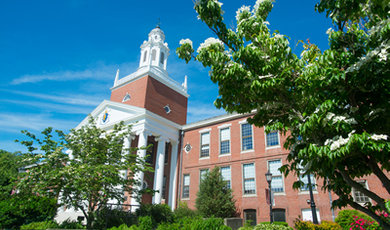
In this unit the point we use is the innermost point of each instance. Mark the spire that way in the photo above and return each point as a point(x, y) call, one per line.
point(185, 83)
point(116, 77)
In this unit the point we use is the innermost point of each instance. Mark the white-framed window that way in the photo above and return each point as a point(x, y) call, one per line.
point(126, 97)
point(186, 186)
point(277, 179)
point(307, 214)
point(145, 54)
point(272, 139)
point(358, 196)
point(226, 175)
point(246, 137)
point(202, 174)
point(224, 137)
point(205, 144)
point(249, 179)
point(305, 180)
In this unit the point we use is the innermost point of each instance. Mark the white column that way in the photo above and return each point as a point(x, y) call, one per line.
point(173, 176)
point(159, 170)
point(139, 176)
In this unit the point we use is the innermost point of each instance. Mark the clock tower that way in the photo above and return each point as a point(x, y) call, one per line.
point(150, 87)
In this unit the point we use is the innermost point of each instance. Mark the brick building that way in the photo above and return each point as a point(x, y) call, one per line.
point(156, 106)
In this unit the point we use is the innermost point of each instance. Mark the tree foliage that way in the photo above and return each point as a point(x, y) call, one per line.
point(214, 198)
point(9, 165)
point(84, 169)
point(334, 104)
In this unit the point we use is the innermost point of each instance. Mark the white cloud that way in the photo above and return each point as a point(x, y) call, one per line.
point(86, 100)
point(14, 123)
point(50, 107)
point(100, 71)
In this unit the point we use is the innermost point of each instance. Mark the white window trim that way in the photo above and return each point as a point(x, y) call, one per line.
point(189, 188)
point(219, 142)
point(353, 192)
point(200, 143)
point(200, 173)
point(224, 126)
point(300, 192)
point(205, 130)
point(230, 167)
point(265, 142)
point(242, 180)
point(284, 185)
point(253, 140)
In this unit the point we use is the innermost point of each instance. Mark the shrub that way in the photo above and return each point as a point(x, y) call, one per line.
point(21, 209)
point(195, 223)
point(108, 218)
point(145, 223)
point(276, 223)
point(271, 227)
point(346, 217)
point(184, 211)
point(40, 225)
point(360, 223)
point(159, 213)
point(68, 224)
point(308, 225)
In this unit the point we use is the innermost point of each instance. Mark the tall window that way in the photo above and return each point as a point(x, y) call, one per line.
point(162, 58)
point(272, 139)
point(205, 144)
point(277, 180)
point(153, 55)
point(246, 135)
point(186, 186)
point(145, 53)
point(305, 180)
point(202, 174)
point(249, 179)
point(226, 175)
point(164, 187)
point(250, 216)
point(279, 214)
point(166, 153)
point(358, 196)
point(224, 135)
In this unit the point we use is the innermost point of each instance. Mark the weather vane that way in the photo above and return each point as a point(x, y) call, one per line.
point(158, 23)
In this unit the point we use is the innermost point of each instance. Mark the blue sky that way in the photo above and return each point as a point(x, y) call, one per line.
point(58, 59)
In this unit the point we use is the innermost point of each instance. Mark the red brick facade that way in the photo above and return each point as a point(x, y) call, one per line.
point(148, 93)
point(290, 200)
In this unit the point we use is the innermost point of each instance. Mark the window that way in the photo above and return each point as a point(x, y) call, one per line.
point(126, 97)
point(226, 175)
point(305, 186)
point(153, 55)
point(272, 139)
point(186, 186)
point(358, 196)
point(277, 179)
point(167, 109)
point(307, 215)
point(205, 144)
point(162, 58)
point(145, 53)
point(166, 153)
point(164, 187)
point(246, 135)
point(224, 140)
point(202, 174)
point(249, 179)
point(250, 216)
point(279, 214)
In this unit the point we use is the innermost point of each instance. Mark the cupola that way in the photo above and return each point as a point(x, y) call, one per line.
point(155, 51)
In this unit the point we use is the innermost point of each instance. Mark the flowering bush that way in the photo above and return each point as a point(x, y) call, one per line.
point(360, 224)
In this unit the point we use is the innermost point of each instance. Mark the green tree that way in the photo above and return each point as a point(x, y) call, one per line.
point(334, 104)
point(9, 165)
point(215, 198)
point(83, 169)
